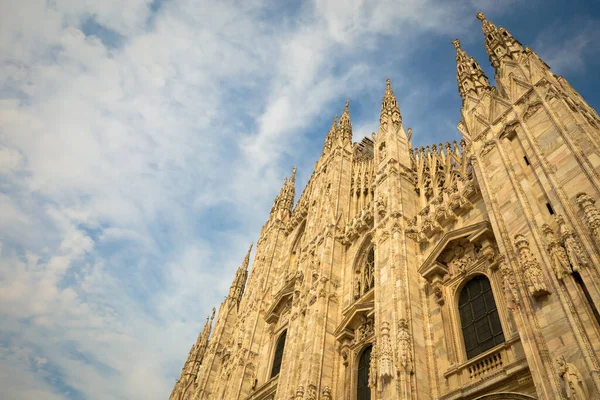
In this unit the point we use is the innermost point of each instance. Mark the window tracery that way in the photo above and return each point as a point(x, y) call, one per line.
point(365, 274)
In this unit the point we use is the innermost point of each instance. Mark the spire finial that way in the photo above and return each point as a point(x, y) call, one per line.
point(499, 43)
point(389, 106)
point(470, 76)
point(293, 176)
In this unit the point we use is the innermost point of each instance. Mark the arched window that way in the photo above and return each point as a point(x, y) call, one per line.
point(479, 317)
point(365, 279)
point(278, 355)
point(363, 391)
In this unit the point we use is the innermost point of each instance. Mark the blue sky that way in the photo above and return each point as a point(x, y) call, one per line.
point(143, 142)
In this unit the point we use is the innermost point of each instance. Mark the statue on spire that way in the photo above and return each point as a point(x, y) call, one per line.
point(470, 76)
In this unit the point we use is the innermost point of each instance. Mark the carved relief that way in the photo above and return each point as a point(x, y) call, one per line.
point(531, 268)
point(439, 295)
point(591, 214)
point(461, 260)
point(373, 368)
point(364, 331)
point(385, 356)
point(404, 347)
point(531, 110)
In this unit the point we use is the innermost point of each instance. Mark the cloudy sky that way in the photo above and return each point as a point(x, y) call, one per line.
point(142, 143)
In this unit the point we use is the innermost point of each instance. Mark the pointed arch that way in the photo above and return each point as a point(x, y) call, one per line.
point(364, 269)
point(278, 356)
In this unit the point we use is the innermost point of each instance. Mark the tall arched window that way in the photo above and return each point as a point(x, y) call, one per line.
point(278, 355)
point(479, 317)
point(363, 391)
point(365, 279)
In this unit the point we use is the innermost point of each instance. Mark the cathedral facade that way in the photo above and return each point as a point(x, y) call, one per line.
point(463, 270)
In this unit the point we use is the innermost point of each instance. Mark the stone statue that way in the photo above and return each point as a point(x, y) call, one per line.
point(574, 384)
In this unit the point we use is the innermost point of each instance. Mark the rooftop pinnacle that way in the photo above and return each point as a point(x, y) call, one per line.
point(247, 258)
point(499, 43)
point(470, 76)
point(345, 126)
point(389, 106)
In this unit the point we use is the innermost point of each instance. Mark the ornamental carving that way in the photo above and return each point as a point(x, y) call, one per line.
point(299, 392)
point(438, 295)
point(373, 368)
point(577, 257)
point(531, 110)
point(591, 215)
point(404, 347)
point(531, 268)
point(461, 261)
point(386, 370)
point(364, 331)
point(558, 254)
point(381, 205)
point(487, 147)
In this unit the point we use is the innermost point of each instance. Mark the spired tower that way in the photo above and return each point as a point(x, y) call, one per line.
point(455, 271)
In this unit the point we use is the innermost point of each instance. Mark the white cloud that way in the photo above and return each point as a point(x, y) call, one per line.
point(121, 166)
point(577, 44)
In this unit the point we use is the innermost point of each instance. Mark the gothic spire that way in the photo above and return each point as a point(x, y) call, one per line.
point(345, 128)
point(239, 282)
point(470, 77)
point(499, 43)
point(330, 135)
point(284, 201)
point(390, 112)
point(246, 262)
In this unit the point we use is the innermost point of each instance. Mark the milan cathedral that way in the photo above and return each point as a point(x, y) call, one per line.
point(463, 270)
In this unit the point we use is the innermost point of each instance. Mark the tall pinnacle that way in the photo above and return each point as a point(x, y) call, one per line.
point(390, 112)
point(239, 282)
point(499, 43)
point(330, 136)
point(246, 262)
point(284, 202)
point(345, 128)
point(470, 77)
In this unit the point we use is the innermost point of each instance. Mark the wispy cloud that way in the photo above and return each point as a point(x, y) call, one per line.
point(141, 146)
point(568, 46)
